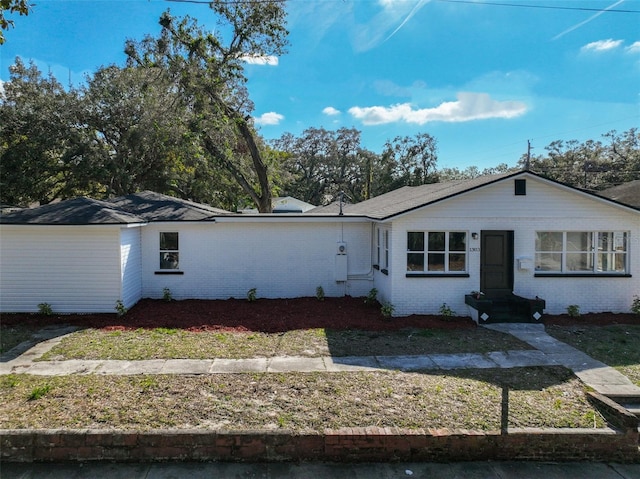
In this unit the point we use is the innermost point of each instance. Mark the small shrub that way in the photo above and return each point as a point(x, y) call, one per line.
point(387, 310)
point(252, 295)
point(45, 309)
point(446, 311)
point(38, 392)
point(166, 295)
point(320, 293)
point(573, 310)
point(635, 305)
point(372, 297)
point(121, 309)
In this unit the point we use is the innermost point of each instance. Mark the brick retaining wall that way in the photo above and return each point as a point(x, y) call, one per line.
point(350, 444)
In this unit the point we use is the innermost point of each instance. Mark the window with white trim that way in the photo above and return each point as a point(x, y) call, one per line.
point(437, 251)
point(169, 252)
point(386, 250)
point(378, 246)
point(582, 252)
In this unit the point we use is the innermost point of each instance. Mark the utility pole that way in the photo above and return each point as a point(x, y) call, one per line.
point(528, 163)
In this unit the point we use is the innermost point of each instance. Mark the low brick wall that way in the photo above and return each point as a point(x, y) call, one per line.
point(350, 444)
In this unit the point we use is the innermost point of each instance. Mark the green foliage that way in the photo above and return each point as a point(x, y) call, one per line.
point(446, 311)
point(372, 297)
point(387, 310)
point(121, 310)
point(21, 7)
point(45, 309)
point(38, 392)
point(320, 293)
point(573, 310)
point(252, 295)
point(635, 305)
point(592, 164)
point(166, 294)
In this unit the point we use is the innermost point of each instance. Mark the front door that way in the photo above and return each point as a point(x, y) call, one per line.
point(496, 263)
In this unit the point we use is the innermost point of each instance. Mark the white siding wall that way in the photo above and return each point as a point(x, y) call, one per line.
point(73, 268)
point(130, 266)
point(544, 208)
point(281, 259)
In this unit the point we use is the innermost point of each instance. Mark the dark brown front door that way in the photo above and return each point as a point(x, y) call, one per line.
point(496, 263)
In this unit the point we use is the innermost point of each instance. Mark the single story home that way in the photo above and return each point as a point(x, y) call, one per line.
point(515, 235)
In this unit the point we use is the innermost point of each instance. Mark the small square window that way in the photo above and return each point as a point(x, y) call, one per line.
point(520, 187)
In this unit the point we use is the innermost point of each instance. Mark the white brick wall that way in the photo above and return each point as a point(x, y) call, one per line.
point(280, 259)
point(544, 208)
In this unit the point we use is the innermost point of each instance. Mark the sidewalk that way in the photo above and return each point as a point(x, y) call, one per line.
point(548, 352)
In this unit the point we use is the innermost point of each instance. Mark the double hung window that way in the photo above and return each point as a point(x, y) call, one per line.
point(169, 253)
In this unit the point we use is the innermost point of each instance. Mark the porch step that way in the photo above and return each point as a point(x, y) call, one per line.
point(631, 402)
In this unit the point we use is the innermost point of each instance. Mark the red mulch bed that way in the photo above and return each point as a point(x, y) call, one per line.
point(276, 315)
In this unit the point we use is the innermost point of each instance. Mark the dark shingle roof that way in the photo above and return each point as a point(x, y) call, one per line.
point(78, 211)
point(627, 193)
point(408, 198)
point(143, 207)
point(157, 207)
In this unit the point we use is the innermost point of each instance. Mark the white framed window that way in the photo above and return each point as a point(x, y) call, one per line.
point(386, 250)
point(582, 252)
point(169, 250)
point(436, 251)
point(378, 246)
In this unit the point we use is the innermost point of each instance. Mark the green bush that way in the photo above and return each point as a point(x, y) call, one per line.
point(121, 309)
point(372, 297)
point(252, 295)
point(635, 305)
point(387, 310)
point(45, 309)
point(573, 310)
point(320, 293)
point(446, 311)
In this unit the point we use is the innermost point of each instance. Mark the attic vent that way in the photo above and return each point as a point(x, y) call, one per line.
point(520, 187)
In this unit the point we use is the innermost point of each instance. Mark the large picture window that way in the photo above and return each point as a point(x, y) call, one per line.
point(169, 253)
point(437, 251)
point(577, 252)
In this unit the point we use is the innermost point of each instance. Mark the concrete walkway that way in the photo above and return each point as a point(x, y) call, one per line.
point(548, 352)
point(602, 378)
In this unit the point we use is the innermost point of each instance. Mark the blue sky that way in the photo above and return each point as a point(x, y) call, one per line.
point(481, 78)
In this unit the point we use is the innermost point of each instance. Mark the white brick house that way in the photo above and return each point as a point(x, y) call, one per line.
point(420, 247)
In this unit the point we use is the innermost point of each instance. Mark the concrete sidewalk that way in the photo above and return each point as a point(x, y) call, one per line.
point(548, 352)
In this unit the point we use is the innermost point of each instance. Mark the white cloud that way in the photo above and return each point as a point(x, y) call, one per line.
point(260, 60)
point(602, 45)
point(468, 107)
point(270, 118)
point(633, 48)
point(331, 111)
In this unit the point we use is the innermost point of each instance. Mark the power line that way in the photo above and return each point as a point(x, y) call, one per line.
point(547, 7)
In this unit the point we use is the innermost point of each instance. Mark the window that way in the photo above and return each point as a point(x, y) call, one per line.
point(437, 251)
point(386, 250)
point(378, 246)
point(169, 255)
point(580, 252)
